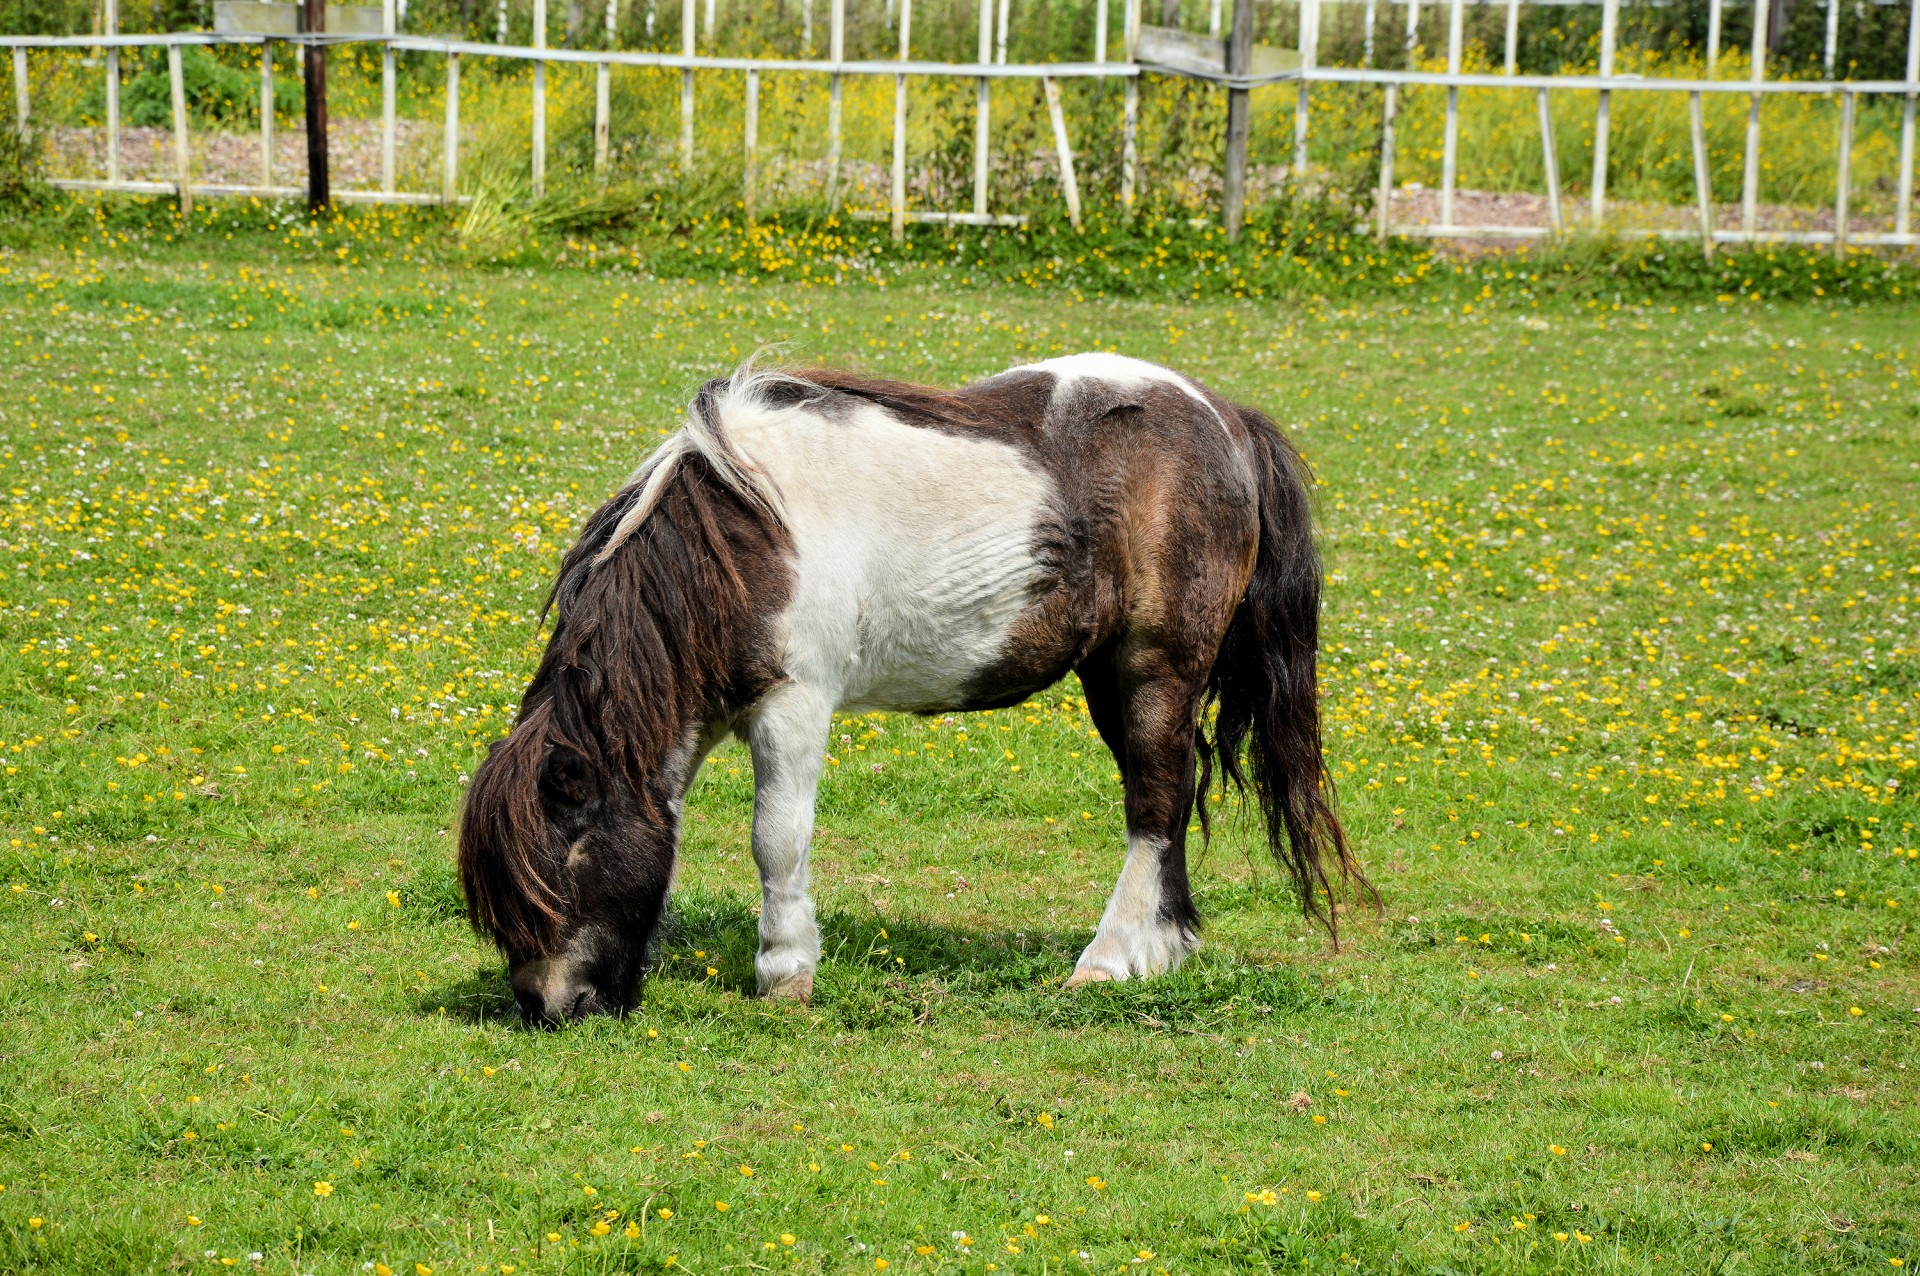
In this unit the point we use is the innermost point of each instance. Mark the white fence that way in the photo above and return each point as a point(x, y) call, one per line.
point(1130, 69)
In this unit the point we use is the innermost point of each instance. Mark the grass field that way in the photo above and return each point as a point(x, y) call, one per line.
point(1622, 683)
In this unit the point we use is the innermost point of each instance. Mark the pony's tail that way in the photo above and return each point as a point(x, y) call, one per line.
point(1266, 684)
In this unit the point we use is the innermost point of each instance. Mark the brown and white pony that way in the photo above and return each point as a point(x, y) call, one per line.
point(811, 541)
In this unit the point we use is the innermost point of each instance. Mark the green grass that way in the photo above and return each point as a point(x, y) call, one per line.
point(1623, 689)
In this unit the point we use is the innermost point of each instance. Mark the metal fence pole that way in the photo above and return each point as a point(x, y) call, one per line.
point(1750, 173)
point(1713, 35)
point(388, 26)
point(450, 153)
point(1833, 36)
point(182, 149)
point(1100, 30)
point(1367, 20)
point(319, 181)
point(899, 192)
point(1413, 29)
point(1513, 37)
point(1702, 178)
point(1603, 121)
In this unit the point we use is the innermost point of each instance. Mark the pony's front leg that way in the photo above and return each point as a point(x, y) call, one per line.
point(787, 736)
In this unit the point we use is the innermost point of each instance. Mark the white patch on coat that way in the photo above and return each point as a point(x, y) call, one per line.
point(1134, 941)
point(913, 549)
point(1119, 370)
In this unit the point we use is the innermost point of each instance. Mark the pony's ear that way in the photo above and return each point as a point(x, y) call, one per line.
point(567, 776)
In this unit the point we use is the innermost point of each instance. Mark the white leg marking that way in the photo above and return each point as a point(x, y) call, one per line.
point(787, 736)
point(1133, 940)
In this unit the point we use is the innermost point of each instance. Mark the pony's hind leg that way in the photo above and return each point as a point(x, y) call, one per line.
point(787, 734)
point(1150, 924)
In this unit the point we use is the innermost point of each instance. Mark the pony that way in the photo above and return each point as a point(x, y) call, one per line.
point(813, 540)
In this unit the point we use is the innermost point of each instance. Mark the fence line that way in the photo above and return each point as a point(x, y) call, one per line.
point(992, 65)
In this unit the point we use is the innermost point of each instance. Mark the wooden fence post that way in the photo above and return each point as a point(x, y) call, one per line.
point(389, 26)
point(750, 147)
point(899, 193)
point(1713, 35)
point(539, 140)
point(1309, 52)
point(1833, 36)
point(837, 51)
point(1843, 178)
point(1603, 120)
point(1239, 114)
point(1702, 178)
point(1130, 112)
point(1513, 37)
point(983, 109)
point(182, 151)
point(1069, 184)
point(319, 187)
point(1903, 201)
point(1100, 31)
point(1385, 210)
point(266, 112)
point(1450, 145)
point(110, 25)
point(1550, 163)
point(603, 98)
point(22, 103)
point(1750, 172)
point(687, 38)
point(450, 151)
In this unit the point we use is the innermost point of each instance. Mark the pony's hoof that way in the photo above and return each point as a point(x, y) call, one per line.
point(797, 987)
point(1088, 975)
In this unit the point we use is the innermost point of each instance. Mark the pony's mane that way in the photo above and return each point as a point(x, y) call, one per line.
point(661, 609)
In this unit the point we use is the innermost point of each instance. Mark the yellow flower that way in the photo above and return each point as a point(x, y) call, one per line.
point(1314, 1197)
point(323, 1188)
point(193, 1220)
point(1463, 1226)
point(1556, 1149)
point(1319, 1119)
point(721, 1206)
point(633, 1230)
point(746, 1171)
point(1045, 1120)
point(381, 1269)
point(393, 898)
point(880, 1264)
point(35, 1223)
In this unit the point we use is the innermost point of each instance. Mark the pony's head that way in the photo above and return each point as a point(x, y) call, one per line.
point(664, 605)
point(566, 866)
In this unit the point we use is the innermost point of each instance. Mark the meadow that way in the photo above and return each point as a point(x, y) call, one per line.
point(1622, 690)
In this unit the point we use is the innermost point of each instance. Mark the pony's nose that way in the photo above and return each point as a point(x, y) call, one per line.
point(569, 1006)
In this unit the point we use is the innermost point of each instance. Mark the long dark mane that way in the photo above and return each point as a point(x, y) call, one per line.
point(660, 627)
